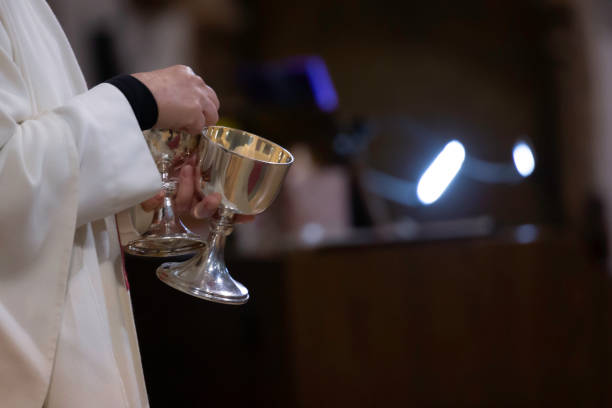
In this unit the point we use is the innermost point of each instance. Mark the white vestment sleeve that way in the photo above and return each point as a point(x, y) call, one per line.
point(64, 167)
point(116, 168)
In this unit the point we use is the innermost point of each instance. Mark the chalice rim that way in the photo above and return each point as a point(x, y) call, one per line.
point(289, 154)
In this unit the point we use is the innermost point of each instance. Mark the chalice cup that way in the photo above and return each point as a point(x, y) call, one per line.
point(247, 171)
point(167, 235)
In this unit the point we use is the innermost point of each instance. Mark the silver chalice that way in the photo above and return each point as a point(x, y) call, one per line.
point(247, 171)
point(167, 235)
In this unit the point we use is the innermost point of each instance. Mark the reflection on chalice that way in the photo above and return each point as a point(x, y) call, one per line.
point(247, 171)
point(167, 236)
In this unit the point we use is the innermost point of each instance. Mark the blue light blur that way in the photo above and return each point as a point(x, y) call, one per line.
point(524, 161)
point(321, 84)
point(441, 172)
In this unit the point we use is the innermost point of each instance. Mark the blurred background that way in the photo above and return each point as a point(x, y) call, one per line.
point(442, 238)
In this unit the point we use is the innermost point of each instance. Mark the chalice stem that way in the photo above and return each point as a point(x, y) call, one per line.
point(206, 275)
point(165, 220)
point(167, 235)
point(221, 225)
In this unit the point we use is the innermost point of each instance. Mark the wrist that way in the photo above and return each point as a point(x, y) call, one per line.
point(140, 97)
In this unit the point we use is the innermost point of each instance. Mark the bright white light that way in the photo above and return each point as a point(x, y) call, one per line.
point(441, 172)
point(523, 159)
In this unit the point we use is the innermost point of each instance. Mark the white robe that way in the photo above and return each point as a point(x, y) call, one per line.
point(69, 159)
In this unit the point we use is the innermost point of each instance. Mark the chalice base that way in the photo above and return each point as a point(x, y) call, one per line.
point(204, 279)
point(162, 246)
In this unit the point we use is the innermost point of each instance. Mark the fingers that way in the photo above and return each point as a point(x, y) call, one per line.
point(209, 102)
point(197, 196)
point(196, 124)
point(152, 203)
point(184, 101)
point(185, 189)
point(207, 207)
point(210, 113)
point(209, 105)
point(208, 91)
point(213, 97)
point(204, 110)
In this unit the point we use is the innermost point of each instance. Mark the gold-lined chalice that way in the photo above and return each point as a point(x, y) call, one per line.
point(247, 171)
point(167, 235)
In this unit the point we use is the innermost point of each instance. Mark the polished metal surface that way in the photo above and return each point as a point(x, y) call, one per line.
point(167, 236)
point(247, 171)
point(205, 275)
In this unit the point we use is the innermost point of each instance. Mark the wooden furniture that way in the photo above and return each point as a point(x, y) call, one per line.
point(466, 323)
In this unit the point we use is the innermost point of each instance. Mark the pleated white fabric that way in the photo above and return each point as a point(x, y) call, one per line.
point(70, 158)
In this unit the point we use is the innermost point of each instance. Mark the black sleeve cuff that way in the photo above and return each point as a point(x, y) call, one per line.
point(140, 98)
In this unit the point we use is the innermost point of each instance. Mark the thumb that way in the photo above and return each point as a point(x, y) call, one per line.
point(207, 207)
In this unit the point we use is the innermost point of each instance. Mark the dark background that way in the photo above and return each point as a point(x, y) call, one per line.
point(497, 294)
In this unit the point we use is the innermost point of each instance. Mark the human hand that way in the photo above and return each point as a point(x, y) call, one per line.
point(184, 101)
point(188, 201)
